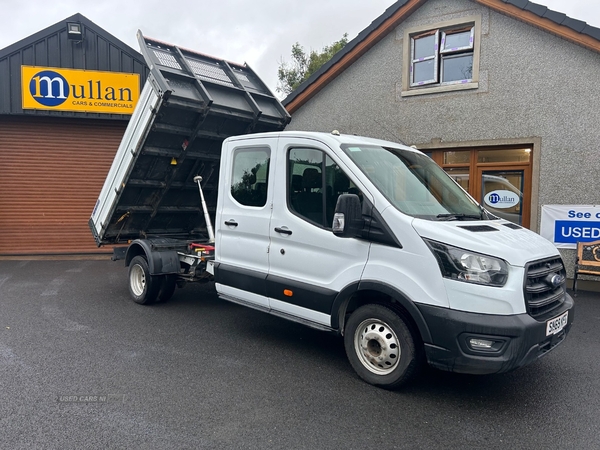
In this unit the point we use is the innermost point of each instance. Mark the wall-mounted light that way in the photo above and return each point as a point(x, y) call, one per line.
point(74, 31)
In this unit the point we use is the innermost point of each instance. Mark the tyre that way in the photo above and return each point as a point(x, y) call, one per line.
point(143, 287)
point(167, 288)
point(381, 347)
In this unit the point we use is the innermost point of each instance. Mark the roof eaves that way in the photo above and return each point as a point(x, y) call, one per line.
point(540, 10)
point(111, 38)
point(522, 4)
point(554, 16)
point(577, 31)
point(35, 37)
point(77, 17)
point(349, 47)
point(566, 27)
point(574, 24)
point(591, 31)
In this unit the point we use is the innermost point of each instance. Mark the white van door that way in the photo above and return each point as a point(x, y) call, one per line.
point(243, 215)
point(308, 264)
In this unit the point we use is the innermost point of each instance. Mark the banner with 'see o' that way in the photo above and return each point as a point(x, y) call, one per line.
point(565, 225)
point(92, 91)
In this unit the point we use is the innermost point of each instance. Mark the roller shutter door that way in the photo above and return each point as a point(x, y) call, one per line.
point(51, 172)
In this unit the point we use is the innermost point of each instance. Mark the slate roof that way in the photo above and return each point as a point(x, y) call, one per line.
point(354, 45)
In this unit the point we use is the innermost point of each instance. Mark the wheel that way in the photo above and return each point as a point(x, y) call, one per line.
point(167, 288)
point(381, 347)
point(143, 287)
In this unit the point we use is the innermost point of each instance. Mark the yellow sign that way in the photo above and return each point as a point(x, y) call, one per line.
point(79, 90)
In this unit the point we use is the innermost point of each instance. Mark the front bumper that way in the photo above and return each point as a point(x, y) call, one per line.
point(519, 339)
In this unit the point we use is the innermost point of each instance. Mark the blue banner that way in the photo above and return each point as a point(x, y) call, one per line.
point(571, 231)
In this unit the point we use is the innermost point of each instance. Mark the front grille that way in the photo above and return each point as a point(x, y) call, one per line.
point(541, 296)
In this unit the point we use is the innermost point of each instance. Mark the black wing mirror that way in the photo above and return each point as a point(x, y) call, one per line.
point(347, 220)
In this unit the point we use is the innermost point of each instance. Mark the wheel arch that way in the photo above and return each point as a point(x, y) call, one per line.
point(364, 292)
point(163, 262)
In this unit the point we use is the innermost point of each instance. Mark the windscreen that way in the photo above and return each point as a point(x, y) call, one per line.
point(414, 183)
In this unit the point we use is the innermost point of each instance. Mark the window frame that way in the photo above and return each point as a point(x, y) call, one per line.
point(441, 29)
point(435, 57)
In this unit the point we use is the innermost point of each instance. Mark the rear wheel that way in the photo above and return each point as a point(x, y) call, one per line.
point(143, 287)
point(167, 288)
point(381, 347)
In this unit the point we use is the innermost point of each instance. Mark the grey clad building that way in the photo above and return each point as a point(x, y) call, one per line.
point(66, 95)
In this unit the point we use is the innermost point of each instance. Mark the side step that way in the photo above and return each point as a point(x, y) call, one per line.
point(283, 315)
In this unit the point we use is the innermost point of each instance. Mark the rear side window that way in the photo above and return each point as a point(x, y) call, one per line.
point(250, 176)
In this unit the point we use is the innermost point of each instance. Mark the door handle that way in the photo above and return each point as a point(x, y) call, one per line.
point(283, 230)
point(231, 223)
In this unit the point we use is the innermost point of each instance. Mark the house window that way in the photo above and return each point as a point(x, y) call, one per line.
point(442, 56)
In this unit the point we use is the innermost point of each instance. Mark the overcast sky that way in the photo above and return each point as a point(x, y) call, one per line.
point(260, 32)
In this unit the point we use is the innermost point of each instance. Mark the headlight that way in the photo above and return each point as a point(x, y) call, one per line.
point(465, 265)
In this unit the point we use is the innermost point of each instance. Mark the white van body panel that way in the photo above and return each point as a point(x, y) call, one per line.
point(471, 297)
point(244, 245)
point(310, 254)
point(412, 269)
point(314, 255)
point(517, 247)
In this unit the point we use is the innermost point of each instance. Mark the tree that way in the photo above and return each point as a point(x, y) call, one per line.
point(303, 65)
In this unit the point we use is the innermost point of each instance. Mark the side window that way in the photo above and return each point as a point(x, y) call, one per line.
point(315, 182)
point(250, 176)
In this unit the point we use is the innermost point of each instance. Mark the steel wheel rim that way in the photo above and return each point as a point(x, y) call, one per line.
point(137, 279)
point(377, 346)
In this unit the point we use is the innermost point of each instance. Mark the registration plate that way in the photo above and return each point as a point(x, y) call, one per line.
point(553, 326)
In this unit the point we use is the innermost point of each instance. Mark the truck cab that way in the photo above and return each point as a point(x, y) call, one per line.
point(427, 273)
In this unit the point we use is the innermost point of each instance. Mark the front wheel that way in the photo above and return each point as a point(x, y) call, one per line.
point(381, 347)
point(143, 287)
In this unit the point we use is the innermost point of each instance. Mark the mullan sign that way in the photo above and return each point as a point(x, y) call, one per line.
point(502, 199)
point(92, 91)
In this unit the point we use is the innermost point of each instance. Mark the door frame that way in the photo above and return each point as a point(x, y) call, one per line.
point(526, 206)
point(437, 147)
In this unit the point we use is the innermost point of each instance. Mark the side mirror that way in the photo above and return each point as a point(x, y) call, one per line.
point(347, 220)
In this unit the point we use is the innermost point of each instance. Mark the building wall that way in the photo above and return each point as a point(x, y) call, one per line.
point(51, 48)
point(55, 162)
point(532, 84)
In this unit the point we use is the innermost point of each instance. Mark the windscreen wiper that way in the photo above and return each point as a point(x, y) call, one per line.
point(458, 216)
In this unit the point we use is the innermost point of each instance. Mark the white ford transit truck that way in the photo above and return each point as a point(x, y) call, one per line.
point(362, 237)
